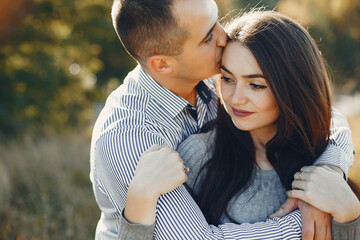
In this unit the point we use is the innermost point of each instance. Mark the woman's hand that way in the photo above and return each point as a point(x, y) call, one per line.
point(326, 190)
point(159, 170)
point(316, 224)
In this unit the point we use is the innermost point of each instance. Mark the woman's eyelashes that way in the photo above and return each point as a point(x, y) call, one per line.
point(255, 86)
point(226, 79)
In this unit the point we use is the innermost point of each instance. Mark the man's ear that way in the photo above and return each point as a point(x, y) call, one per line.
point(159, 64)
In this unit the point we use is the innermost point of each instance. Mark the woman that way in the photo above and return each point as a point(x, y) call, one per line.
point(274, 119)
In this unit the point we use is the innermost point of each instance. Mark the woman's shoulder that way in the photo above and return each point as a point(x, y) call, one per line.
point(196, 145)
point(196, 150)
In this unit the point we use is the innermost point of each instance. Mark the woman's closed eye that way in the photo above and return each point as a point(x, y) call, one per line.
point(257, 86)
point(226, 79)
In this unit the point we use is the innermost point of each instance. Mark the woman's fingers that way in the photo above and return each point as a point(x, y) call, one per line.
point(302, 175)
point(300, 185)
point(299, 194)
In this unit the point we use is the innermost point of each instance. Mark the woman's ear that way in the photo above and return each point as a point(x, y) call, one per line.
point(159, 64)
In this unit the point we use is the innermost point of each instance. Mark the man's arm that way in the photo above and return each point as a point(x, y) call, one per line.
point(340, 151)
point(178, 216)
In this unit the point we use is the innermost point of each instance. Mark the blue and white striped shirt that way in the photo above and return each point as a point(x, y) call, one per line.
point(141, 113)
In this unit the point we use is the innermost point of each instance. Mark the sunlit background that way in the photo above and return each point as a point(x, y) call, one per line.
point(59, 59)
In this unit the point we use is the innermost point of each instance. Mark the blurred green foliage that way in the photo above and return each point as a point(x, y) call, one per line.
point(59, 57)
point(56, 57)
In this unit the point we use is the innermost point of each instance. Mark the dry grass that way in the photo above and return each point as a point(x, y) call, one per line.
point(45, 192)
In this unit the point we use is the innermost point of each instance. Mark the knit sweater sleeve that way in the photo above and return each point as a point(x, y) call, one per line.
point(350, 230)
point(134, 231)
point(196, 150)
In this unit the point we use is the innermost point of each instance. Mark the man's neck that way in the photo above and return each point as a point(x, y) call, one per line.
point(192, 97)
point(181, 88)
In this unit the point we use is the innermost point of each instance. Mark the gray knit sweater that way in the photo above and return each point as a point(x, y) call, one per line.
point(262, 197)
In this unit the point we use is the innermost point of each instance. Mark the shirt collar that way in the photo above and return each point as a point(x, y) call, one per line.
point(168, 100)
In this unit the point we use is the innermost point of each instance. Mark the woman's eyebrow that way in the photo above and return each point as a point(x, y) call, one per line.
point(258, 75)
point(253, 76)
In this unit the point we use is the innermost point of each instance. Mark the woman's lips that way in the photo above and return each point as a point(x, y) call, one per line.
point(241, 113)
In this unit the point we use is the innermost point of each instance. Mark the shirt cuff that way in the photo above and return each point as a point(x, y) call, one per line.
point(335, 156)
point(350, 230)
point(135, 231)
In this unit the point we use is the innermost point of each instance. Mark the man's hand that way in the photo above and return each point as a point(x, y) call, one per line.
point(159, 170)
point(315, 223)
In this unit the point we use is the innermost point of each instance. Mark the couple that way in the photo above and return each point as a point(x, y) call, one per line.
point(163, 101)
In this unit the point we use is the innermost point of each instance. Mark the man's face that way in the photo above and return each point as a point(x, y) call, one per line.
point(202, 50)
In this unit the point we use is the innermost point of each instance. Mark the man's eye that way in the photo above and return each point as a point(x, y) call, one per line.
point(210, 38)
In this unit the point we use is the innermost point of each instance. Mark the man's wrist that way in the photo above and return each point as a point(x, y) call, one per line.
point(140, 208)
point(332, 168)
point(347, 214)
point(140, 205)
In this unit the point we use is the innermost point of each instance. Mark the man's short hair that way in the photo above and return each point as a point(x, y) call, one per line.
point(148, 27)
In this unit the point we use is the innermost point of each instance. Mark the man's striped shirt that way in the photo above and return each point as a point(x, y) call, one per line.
point(141, 113)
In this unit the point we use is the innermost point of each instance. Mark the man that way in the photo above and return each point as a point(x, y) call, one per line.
point(162, 101)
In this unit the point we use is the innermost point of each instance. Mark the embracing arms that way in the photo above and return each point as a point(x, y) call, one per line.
point(178, 216)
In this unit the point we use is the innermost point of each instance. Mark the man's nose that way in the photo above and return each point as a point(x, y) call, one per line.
point(222, 36)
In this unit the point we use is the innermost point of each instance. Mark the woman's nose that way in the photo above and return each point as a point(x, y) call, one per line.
point(239, 96)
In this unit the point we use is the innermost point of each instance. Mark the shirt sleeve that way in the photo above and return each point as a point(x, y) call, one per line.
point(178, 216)
point(117, 153)
point(340, 151)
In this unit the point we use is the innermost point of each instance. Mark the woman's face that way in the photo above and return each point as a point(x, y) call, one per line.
point(243, 89)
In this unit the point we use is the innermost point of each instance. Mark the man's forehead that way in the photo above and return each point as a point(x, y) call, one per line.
point(189, 11)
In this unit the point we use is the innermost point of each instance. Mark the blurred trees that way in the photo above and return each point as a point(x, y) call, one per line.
point(335, 25)
point(55, 58)
point(58, 57)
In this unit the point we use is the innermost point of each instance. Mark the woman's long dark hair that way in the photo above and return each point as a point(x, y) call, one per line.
point(296, 74)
